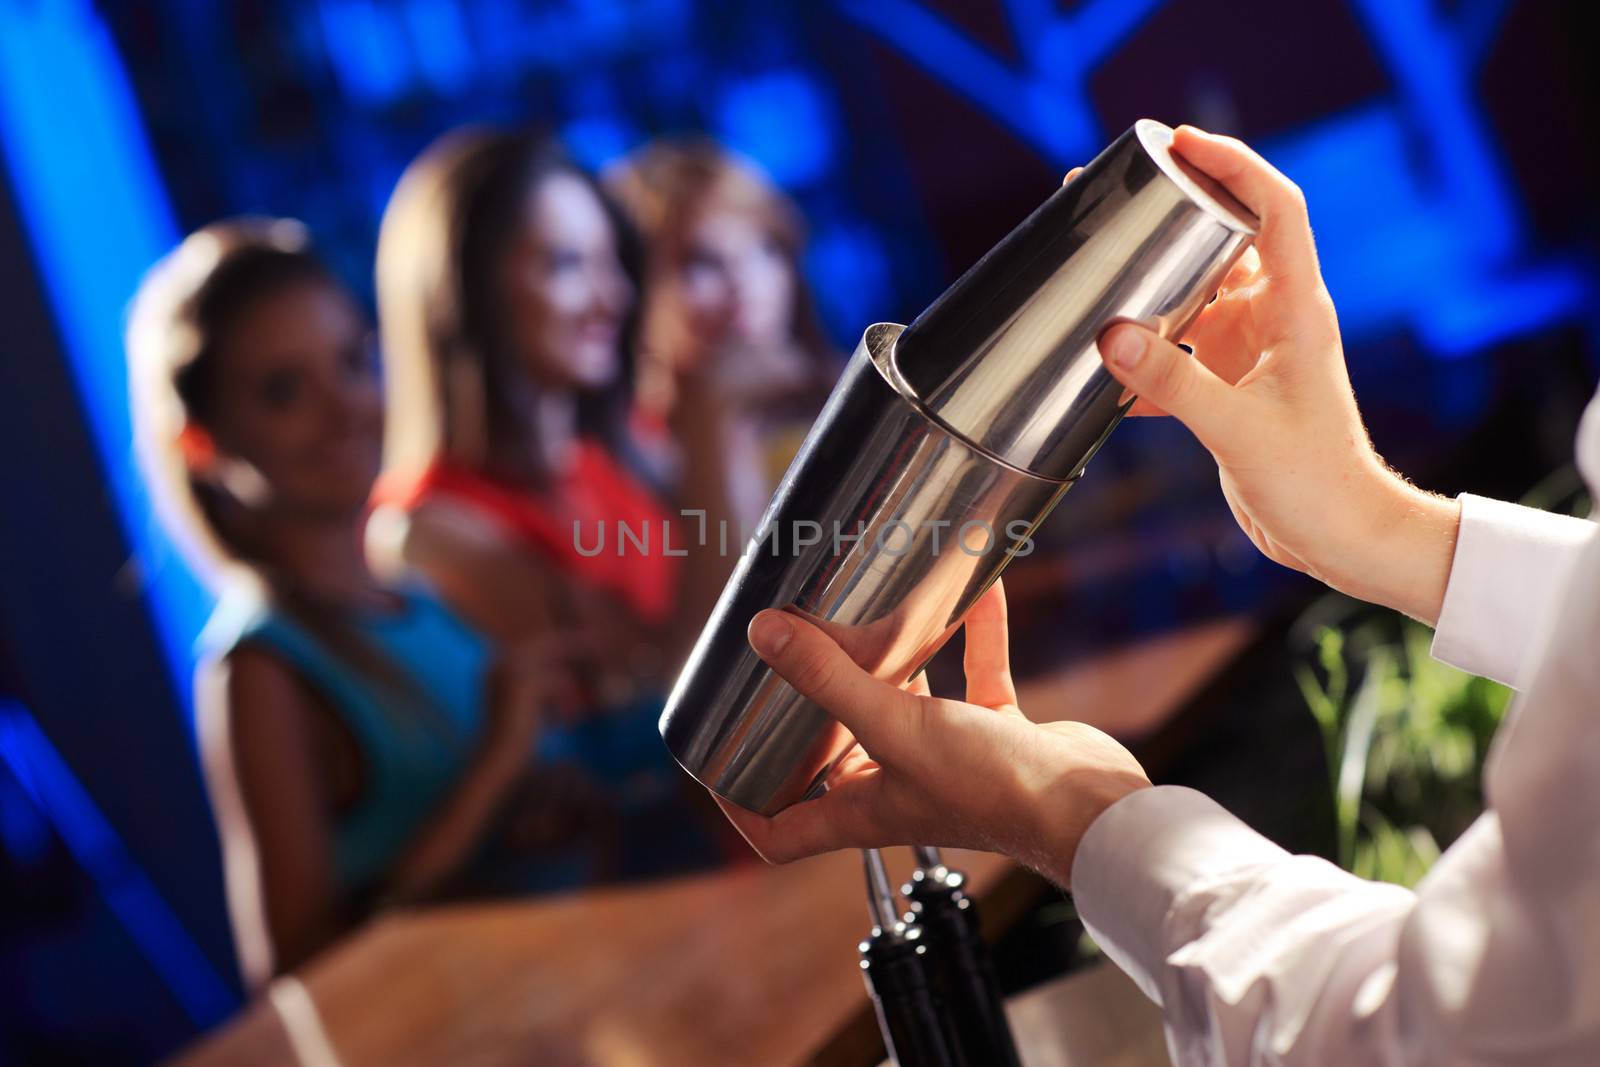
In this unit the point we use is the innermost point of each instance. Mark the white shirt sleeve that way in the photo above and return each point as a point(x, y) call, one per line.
point(1508, 571)
point(1261, 957)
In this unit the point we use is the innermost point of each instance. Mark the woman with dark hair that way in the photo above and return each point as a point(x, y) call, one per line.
point(725, 293)
point(507, 289)
point(358, 741)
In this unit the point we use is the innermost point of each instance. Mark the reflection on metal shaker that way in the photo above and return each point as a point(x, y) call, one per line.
point(941, 449)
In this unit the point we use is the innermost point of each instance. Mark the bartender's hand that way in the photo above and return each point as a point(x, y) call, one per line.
point(1267, 393)
point(939, 772)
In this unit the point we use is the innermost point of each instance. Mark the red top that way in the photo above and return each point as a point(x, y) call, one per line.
point(576, 522)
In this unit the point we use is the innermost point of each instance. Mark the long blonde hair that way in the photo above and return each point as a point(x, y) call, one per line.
point(667, 185)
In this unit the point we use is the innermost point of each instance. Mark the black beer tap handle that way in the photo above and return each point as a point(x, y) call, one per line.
point(914, 1029)
point(893, 960)
point(959, 966)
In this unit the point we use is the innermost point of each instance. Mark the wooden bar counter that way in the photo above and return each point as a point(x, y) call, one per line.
point(749, 966)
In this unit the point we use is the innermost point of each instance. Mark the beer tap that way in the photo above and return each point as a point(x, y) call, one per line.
point(893, 963)
point(958, 963)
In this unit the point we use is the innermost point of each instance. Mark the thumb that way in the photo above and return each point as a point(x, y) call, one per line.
point(1158, 371)
point(880, 715)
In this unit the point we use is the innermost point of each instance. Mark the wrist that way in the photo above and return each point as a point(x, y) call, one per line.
point(1095, 799)
point(1404, 550)
point(1060, 809)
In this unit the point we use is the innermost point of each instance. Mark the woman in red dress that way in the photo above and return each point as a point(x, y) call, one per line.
point(507, 288)
point(513, 479)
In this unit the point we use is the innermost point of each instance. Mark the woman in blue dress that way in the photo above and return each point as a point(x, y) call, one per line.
point(361, 744)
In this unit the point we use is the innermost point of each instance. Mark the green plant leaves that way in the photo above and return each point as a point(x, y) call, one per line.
point(1406, 739)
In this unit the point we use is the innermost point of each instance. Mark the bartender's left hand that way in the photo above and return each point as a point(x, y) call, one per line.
point(974, 774)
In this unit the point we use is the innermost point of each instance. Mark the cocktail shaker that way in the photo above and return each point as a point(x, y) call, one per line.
point(943, 446)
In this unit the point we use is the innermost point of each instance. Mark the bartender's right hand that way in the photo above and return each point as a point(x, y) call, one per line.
point(967, 774)
point(1266, 391)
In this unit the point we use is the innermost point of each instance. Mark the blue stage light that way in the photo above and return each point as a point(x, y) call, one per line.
point(1060, 49)
point(439, 40)
point(782, 121)
point(127, 890)
point(1418, 227)
point(849, 271)
point(368, 48)
point(597, 140)
point(97, 217)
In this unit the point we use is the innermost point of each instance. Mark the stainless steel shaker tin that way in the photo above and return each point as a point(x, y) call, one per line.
point(940, 451)
point(1007, 356)
point(885, 530)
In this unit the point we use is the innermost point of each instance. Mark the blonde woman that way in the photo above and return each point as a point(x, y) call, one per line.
point(725, 295)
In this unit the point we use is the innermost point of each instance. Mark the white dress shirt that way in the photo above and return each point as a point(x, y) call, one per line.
point(1261, 957)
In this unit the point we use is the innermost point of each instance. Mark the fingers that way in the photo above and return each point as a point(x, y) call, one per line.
point(1142, 408)
point(1071, 174)
point(881, 716)
point(1287, 248)
point(1224, 339)
point(756, 829)
point(840, 818)
point(1164, 375)
point(1243, 271)
point(988, 657)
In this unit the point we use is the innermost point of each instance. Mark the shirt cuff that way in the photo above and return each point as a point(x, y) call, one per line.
point(1507, 573)
point(1140, 855)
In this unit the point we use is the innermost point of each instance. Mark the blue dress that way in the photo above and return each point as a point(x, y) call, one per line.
point(414, 754)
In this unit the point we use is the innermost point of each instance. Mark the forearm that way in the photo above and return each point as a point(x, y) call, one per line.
point(502, 589)
point(1482, 572)
point(450, 836)
point(699, 423)
point(302, 928)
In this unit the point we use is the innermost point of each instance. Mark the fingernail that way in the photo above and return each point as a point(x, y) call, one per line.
point(770, 632)
point(1123, 346)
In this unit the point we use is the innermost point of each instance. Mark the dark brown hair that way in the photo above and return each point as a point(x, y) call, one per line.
point(453, 381)
point(178, 326)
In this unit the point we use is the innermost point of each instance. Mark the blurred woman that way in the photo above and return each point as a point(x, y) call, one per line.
point(358, 742)
point(725, 296)
point(507, 287)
